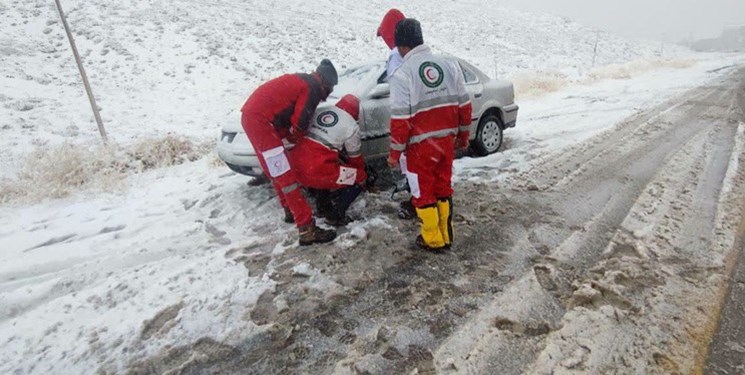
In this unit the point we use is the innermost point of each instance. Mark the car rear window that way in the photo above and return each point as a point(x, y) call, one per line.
point(353, 80)
point(468, 75)
point(383, 77)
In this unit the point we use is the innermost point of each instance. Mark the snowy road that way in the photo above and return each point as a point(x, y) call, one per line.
point(612, 257)
point(727, 353)
point(631, 255)
point(609, 254)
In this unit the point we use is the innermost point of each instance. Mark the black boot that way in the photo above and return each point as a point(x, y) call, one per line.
point(342, 200)
point(311, 234)
point(406, 210)
point(337, 220)
point(259, 180)
point(289, 219)
point(324, 205)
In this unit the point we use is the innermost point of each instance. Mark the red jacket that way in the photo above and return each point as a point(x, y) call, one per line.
point(287, 102)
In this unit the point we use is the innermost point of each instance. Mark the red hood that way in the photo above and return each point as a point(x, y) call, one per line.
point(350, 104)
point(388, 26)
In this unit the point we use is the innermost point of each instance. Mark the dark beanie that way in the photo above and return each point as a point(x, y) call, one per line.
point(408, 33)
point(327, 72)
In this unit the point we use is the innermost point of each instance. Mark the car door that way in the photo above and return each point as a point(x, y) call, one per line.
point(475, 89)
point(376, 118)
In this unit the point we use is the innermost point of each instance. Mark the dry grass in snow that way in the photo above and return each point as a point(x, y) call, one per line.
point(637, 67)
point(538, 83)
point(529, 85)
point(55, 172)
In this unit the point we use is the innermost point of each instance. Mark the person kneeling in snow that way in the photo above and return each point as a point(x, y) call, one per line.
point(329, 157)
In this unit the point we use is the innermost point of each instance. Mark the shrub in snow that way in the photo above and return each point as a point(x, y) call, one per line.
point(164, 152)
point(55, 172)
point(538, 83)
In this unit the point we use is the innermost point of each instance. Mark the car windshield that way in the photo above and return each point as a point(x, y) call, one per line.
point(356, 80)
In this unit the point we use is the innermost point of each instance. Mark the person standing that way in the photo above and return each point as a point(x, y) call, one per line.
point(386, 30)
point(279, 111)
point(333, 135)
point(430, 117)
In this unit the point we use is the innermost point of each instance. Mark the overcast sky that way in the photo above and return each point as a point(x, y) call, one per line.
point(671, 20)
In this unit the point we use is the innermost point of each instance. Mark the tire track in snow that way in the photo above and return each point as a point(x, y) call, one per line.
point(598, 198)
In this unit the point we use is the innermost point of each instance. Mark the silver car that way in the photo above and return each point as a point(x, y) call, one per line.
point(494, 111)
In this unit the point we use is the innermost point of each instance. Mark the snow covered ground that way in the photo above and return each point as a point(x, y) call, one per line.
point(99, 281)
point(88, 281)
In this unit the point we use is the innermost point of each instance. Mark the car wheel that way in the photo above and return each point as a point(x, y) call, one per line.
point(488, 136)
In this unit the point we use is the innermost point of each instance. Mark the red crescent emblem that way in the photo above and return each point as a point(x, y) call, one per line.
point(430, 70)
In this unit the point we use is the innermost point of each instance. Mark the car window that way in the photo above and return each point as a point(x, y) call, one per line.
point(468, 75)
point(383, 77)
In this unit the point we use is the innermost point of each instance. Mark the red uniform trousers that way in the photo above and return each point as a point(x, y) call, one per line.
point(318, 167)
point(264, 137)
point(429, 170)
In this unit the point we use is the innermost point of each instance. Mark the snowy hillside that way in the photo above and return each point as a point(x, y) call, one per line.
point(159, 67)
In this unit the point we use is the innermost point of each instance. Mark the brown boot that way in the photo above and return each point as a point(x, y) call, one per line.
point(311, 234)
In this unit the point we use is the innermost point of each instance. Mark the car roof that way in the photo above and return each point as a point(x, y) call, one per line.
point(344, 88)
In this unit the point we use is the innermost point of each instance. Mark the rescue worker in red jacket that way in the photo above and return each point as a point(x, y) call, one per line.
point(282, 108)
point(430, 117)
point(318, 156)
point(385, 30)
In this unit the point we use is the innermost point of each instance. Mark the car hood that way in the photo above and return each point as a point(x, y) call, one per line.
point(232, 121)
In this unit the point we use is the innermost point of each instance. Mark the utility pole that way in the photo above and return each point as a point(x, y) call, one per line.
point(87, 85)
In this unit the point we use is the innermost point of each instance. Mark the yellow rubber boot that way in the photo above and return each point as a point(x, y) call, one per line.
point(445, 211)
point(431, 236)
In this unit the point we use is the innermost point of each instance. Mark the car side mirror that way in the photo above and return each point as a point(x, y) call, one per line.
point(382, 90)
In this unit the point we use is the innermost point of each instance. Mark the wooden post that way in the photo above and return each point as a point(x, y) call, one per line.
point(87, 85)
